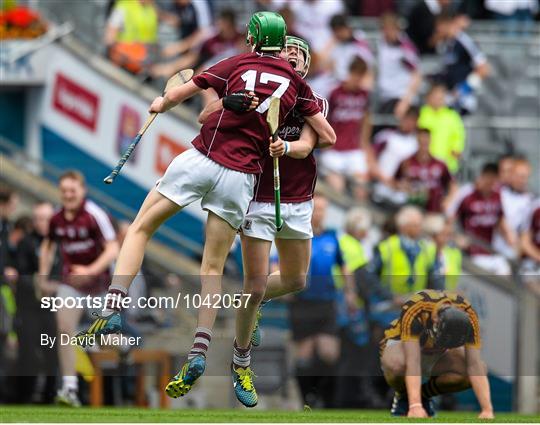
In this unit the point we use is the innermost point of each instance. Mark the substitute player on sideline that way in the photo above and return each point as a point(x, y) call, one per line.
point(437, 337)
point(88, 246)
point(220, 171)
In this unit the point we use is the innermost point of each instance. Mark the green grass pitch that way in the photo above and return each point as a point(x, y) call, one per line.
point(85, 414)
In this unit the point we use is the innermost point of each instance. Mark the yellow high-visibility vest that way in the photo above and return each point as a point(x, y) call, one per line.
point(140, 22)
point(396, 268)
point(452, 259)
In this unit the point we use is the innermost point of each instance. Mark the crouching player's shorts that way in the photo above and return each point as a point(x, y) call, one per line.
point(260, 221)
point(192, 176)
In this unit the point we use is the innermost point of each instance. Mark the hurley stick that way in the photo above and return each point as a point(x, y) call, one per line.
point(176, 80)
point(272, 119)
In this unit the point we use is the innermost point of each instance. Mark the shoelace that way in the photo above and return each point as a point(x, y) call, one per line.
point(245, 377)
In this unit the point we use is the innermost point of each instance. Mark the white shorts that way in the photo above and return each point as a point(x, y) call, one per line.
point(193, 176)
point(260, 221)
point(347, 163)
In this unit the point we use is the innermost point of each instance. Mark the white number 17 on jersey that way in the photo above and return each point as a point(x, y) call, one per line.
point(250, 78)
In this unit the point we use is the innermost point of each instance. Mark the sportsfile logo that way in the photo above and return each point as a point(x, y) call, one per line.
point(75, 101)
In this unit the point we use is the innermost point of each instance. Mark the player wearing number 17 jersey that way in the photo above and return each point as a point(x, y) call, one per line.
point(298, 176)
point(220, 171)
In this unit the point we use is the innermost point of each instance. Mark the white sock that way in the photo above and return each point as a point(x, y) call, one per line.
point(70, 383)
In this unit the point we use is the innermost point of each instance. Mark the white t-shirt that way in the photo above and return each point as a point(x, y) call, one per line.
point(516, 205)
point(397, 147)
point(344, 53)
point(312, 20)
point(396, 64)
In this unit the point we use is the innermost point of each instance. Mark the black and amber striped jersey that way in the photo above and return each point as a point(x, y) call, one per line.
point(416, 320)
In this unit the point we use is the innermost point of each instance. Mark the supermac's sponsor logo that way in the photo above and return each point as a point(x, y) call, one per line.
point(167, 149)
point(75, 101)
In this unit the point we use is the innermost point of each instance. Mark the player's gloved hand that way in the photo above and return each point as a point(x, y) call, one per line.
point(417, 412)
point(278, 148)
point(240, 102)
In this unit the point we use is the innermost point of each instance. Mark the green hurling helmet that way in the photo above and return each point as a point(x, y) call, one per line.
point(301, 65)
point(266, 32)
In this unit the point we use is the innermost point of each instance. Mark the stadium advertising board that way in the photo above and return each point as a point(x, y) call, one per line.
point(96, 115)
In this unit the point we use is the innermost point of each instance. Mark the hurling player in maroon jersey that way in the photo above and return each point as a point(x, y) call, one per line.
point(220, 171)
point(298, 176)
point(530, 244)
point(88, 246)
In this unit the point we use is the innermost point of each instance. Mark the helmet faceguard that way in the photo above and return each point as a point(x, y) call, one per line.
point(296, 52)
point(453, 328)
point(266, 32)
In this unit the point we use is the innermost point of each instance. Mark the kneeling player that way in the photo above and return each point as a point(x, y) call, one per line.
point(436, 337)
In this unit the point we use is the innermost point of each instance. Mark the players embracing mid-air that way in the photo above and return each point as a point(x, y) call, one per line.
point(220, 170)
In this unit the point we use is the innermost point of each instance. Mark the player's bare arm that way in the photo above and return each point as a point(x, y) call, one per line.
point(102, 263)
point(476, 370)
point(528, 247)
point(299, 149)
point(327, 136)
point(46, 258)
point(413, 379)
point(507, 233)
point(173, 97)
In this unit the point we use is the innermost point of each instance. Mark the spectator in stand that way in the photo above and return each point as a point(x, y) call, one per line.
point(32, 321)
point(313, 18)
point(506, 165)
point(478, 209)
point(288, 16)
point(530, 244)
point(423, 28)
point(399, 75)
point(343, 47)
point(8, 204)
point(88, 247)
point(404, 262)
point(393, 146)
point(517, 16)
point(356, 246)
point(194, 22)
point(349, 116)
point(425, 179)
point(313, 313)
point(465, 66)
point(131, 34)
point(449, 257)
point(228, 41)
point(446, 128)
point(516, 199)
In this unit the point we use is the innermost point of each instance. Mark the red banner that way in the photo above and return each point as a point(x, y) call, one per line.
point(75, 101)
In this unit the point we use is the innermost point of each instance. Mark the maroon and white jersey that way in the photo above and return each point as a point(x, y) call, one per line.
point(397, 62)
point(431, 176)
point(532, 223)
point(347, 111)
point(240, 141)
point(478, 214)
point(82, 241)
point(297, 176)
